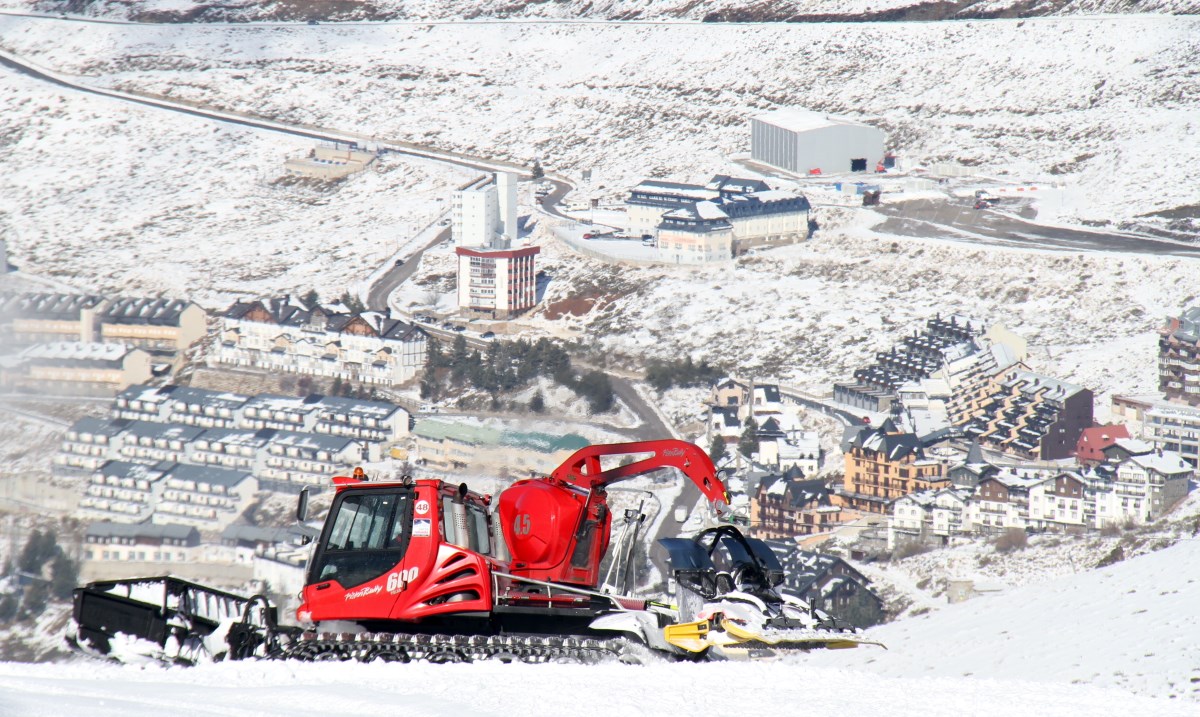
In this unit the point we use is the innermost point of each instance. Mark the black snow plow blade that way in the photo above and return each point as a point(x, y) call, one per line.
point(176, 615)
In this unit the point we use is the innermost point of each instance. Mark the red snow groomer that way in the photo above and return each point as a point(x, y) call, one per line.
point(427, 570)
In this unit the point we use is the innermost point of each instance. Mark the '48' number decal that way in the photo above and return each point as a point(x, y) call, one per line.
point(521, 525)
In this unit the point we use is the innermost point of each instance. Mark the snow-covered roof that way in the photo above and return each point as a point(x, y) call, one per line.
point(801, 120)
point(77, 350)
point(208, 474)
point(1164, 462)
point(1134, 446)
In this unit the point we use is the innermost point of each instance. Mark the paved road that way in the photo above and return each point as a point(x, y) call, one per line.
point(958, 220)
point(377, 296)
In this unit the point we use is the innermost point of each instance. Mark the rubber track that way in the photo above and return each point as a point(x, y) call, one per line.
point(401, 647)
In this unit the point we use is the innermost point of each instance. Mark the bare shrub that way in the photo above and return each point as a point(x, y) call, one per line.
point(1110, 530)
point(1012, 539)
point(908, 549)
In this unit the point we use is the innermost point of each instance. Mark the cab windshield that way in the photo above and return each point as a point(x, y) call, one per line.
point(366, 537)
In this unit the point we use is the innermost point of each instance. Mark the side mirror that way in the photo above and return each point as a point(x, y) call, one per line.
point(302, 505)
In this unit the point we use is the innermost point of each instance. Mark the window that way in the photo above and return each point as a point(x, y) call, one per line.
point(368, 537)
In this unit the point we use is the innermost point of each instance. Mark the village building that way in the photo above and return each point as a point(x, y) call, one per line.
point(294, 460)
point(1179, 358)
point(786, 506)
point(925, 517)
point(829, 583)
point(283, 336)
point(330, 161)
point(1136, 484)
point(74, 368)
point(122, 492)
point(1093, 441)
point(1147, 483)
point(728, 392)
point(88, 444)
point(116, 542)
point(118, 550)
point(700, 223)
point(203, 496)
point(972, 469)
point(1171, 426)
point(804, 142)
point(147, 442)
point(359, 419)
point(917, 357)
point(883, 464)
point(156, 325)
point(39, 317)
point(497, 283)
point(1032, 416)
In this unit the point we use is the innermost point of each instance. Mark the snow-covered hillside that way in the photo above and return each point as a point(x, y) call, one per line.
point(811, 313)
point(114, 197)
point(709, 11)
point(1117, 641)
point(1130, 626)
point(1103, 104)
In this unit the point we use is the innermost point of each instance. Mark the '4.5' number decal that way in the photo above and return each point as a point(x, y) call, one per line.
point(521, 525)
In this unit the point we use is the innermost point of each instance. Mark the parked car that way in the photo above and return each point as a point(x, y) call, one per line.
point(447, 326)
point(399, 262)
point(443, 222)
point(460, 328)
point(488, 335)
point(313, 22)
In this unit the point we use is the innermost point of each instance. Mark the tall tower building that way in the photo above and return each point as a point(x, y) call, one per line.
point(1179, 358)
point(496, 278)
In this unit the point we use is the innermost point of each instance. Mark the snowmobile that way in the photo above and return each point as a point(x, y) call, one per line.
point(426, 570)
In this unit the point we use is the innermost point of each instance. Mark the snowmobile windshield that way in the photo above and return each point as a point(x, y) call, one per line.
point(367, 537)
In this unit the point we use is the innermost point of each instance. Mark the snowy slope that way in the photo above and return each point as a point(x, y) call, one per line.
point(1104, 104)
point(711, 10)
point(656, 690)
point(114, 197)
point(812, 313)
point(1131, 626)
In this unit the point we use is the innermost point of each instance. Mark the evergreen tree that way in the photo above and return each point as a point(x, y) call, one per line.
point(336, 389)
point(597, 389)
point(39, 548)
point(311, 299)
point(458, 351)
point(716, 451)
point(8, 608)
point(37, 595)
point(27, 561)
point(352, 303)
point(64, 575)
point(748, 445)
point(537, 170)
point(537, 404)
point(434, 359)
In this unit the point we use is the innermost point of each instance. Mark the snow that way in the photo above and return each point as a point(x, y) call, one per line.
point(798, 120)
point(1129, 626)
point(660, 689)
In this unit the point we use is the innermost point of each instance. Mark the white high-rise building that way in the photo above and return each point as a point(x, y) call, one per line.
point(506, 184)
point(495, 278)
point(475, 215)
point(487, 216)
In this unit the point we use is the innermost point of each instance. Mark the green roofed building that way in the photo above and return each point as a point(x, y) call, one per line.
point(447, 444)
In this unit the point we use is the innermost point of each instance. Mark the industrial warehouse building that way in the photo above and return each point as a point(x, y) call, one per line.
point(804, 142)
